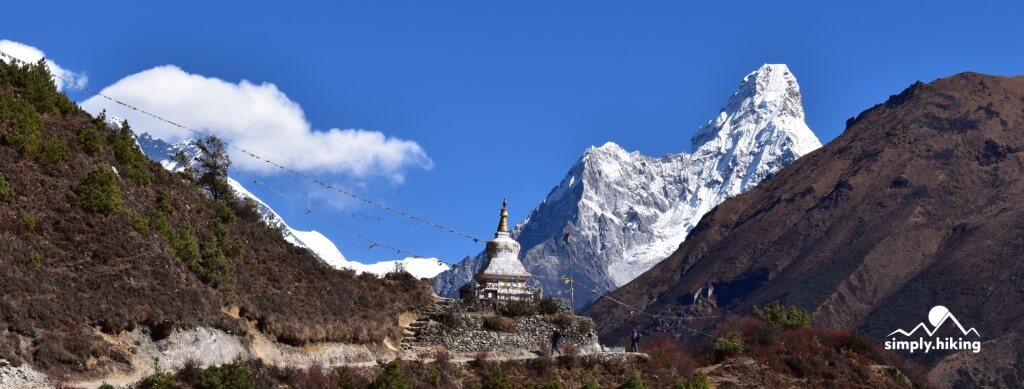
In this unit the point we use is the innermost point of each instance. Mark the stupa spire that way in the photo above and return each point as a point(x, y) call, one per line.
point(503, 223)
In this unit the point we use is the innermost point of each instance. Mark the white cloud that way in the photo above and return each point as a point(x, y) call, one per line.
point(31, 54)
point(256, 117)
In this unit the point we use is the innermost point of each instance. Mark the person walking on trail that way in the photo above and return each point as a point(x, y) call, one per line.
point(634, 341)
point(556, 338)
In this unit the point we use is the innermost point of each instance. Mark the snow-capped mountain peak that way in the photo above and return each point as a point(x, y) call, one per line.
point(625, 211)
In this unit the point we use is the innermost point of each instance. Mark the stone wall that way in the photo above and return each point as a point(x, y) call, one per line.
point(466, 332)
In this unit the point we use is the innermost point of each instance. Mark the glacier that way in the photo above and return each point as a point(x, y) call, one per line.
point(623, 212)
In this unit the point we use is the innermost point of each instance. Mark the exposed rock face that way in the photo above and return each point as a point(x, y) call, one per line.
point(625, 212)
point(915, 205)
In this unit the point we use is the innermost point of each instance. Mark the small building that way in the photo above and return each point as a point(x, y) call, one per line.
point(503, 277)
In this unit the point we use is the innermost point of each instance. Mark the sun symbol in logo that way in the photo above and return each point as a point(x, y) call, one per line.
point(936, 315)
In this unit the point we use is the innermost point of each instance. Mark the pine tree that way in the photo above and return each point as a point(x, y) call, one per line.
point(213, 167)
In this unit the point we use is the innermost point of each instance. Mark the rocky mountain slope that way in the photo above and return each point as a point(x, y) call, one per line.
point(917, 204)
point(624, 211)
point(322, 246)
point(97, 241)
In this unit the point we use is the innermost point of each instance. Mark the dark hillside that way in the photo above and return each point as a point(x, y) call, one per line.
point(916, 204)
point(95, 238)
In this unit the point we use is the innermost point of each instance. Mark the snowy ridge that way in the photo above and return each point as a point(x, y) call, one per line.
point(625, 211)
point(314, 241)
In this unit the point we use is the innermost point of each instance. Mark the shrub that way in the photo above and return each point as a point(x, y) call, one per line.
point(54, 150)
point(89, 140)
point(28, 222)
point(234, 375)
point(570, 356)
point(634, 381)
point(128, 155)
point(433, 377)
point(500, 324)
point(228, 244)
point(35, 83)
point(480, 359)
point(591, 384)
point(729, 345)
point(6, 191)
point(225, 214)
point(98, 191)
point(667, 353)
point(184, 244)
point(391, 377)
point(554, 383)
point(159, 380)
point(215, 269)
point(26, 127)
point(35, 260)
point(698, 381)
point(779, 316)
point(518, 308)
point(140, 224)
point(106, 386)
point(496, 379)
point(548, 306)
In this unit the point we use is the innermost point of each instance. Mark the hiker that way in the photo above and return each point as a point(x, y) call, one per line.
point(634, 341)
point(556, 338)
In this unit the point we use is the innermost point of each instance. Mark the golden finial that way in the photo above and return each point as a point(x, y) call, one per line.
point(503, 224)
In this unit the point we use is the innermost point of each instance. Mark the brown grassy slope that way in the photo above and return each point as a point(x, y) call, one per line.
point(96, 270)
point(916, 204)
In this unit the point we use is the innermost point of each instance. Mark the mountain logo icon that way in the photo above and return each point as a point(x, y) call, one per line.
point(937, 316)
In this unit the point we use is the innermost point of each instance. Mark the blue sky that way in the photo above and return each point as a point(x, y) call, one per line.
point(502, 97)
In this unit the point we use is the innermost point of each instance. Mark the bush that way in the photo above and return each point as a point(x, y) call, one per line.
point(35, 84)
point(215, 269)
point(54, 150)
point(500, 324)
point(28, 222)
point(496, 379)
point(128, 155)
point(433, 377)
point(234, 375)
point(698, 381)
point(35, 260)
point(6, 191)
point(225, 214)
point(184, 244)
point(669, 354)
point(554, 383)
point(518, 308)
point(98, 191)
point(779, 316)
point(591, 384)
point(89, 140)
point(21, 125)
point(159, 380)
point(548, 306)
point(729, 345)
point(634, 381)
point(391, 377)
point(140, 224)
